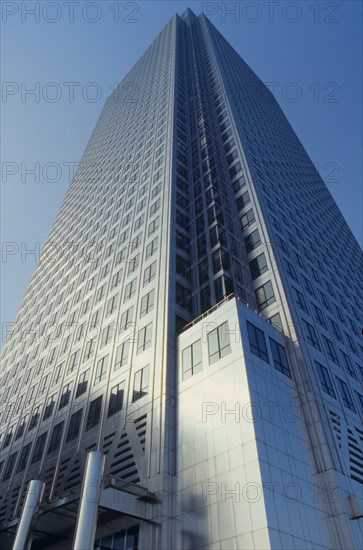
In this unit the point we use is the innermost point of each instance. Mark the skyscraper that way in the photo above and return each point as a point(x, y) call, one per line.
point(193, 326)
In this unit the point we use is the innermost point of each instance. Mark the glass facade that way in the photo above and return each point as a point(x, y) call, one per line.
point(192, 188)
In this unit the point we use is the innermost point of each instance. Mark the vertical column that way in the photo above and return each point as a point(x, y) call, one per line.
point(29, 513)
point(88, 508)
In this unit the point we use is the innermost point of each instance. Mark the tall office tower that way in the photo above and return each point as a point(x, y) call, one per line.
point(191, 333)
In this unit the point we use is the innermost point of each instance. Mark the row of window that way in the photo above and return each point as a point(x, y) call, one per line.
point(345, 395)
point(219, 346)
point(115, 405)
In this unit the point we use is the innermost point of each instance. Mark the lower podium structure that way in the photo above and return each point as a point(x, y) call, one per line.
point(252, 469)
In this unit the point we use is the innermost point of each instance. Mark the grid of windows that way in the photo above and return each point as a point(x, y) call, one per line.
point(120, 225)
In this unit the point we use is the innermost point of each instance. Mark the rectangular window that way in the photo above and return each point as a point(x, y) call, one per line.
point(39, 448)
point(311, 335)
point(300, 300)
point(130, 290)
point(116, 399)
point(308, 286)
point(65, 397)
point(23, 459)
point(89, 349)
point(335, 330)
point(74, 426)
point(192, 360)
point(265, 295)
point(21, 428)
point(144, 338)
point(112, 305)
point(247, 219)
point(218, 343)
point(318, 314)
point(116, 279)
point(279, 357)
point(141, 384)
point(183, 267)
point(257, 341)
point(82, 383)
point(49, 407)
point(351, 343)
point(330, 350)
point(345, 394)
point(348, 364)
point(258, 266)
point(290, 270)
point(153, 226)
point(243, 200)
point(147, 303)
point(325, 379)
point(34, 419)
point(133, 264)
point(151, 248)
point(56, 437)
point(183, 297)
point(252, 241)
point(122, 355)
point(94, 413)
point(149, 273)
point(9, 466)
point(73, 361)
point(107, 334)
point(135, 243)
point(126, 318)
point(101, 369)
point(100, 293)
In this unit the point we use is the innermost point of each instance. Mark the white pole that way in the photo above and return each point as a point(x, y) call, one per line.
point(24, 532)
point(88, 508)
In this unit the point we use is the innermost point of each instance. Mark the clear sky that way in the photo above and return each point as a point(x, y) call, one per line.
point(73, 53)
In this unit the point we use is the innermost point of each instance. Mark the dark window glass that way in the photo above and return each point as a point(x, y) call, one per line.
point(257, 342)
point(116, 399)
point(141, 384)
point(9, 466)
point(325, 379)
point(94, 413)
point(345, 394)
point(311, 335)
point(247, 219)
point(23, 459)
point(265, 295)
point(74, 426)
point(39, 448)
point(258, 266)
point(279, 357)
point(56, 437)
point(252, 241)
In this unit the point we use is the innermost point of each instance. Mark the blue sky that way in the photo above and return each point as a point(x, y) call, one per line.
point(308, 52)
